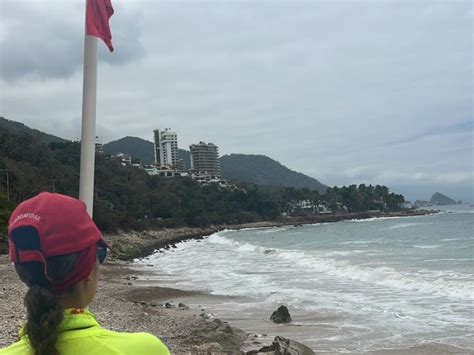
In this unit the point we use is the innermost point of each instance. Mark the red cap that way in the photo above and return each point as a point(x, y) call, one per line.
point(51, 224)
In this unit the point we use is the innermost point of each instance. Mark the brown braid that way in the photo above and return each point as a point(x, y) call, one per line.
point(44, 314)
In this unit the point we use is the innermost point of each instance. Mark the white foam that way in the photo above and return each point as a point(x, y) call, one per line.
point(431, 246)
point(373, 219)
point(346, 253)
point(324, 281)
point(382, 276)
point(449, 259)
point(405, 225)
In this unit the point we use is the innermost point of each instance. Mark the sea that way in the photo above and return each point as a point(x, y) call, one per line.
point(353, 286)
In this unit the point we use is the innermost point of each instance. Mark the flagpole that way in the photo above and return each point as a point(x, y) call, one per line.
point(89, 97)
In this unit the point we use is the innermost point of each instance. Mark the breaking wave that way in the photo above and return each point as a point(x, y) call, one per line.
point(381, 276)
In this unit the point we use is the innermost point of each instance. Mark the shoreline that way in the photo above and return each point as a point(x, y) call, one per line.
point(127, 302)
point(129, 245)
point(122, 304)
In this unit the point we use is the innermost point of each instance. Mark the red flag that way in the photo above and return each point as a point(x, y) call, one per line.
point(98, 14)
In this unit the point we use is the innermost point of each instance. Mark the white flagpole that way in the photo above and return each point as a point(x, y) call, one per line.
point(89, 96)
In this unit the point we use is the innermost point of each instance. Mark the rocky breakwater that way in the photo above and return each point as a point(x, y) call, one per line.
point(132, 244)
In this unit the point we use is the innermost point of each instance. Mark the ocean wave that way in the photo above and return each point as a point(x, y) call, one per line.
point(448, 259)
point(432, 246)
point(357, 242)
point(274, 229)
point(373, 219)
point(347, 253)
point(381, 276)
point(406, 225)
point(317, 224)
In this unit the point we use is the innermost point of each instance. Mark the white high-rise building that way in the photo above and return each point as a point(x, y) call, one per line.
point(166, 148)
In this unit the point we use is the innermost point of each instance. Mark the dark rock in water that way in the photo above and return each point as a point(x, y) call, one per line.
point(182, 306)
point(281, 315)
point(169, 305)
point(283, 346)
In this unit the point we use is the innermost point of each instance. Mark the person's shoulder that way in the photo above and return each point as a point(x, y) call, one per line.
point(136, 342)
point(20, 347)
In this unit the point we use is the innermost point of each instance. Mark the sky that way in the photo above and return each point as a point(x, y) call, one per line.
point(348, 92)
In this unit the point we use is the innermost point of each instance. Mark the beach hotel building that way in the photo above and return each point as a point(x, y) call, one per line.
point(166, 149)
point(205, 160)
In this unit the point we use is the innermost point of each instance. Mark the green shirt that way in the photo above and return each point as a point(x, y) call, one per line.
point(79, 333)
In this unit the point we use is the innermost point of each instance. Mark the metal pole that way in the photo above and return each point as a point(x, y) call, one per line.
point(8, 185)
point(89, 96)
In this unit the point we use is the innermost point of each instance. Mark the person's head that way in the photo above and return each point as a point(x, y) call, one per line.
point(56, 249)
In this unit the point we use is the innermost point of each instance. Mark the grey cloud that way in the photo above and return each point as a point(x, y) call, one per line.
point(42, 42)
point(323, 87)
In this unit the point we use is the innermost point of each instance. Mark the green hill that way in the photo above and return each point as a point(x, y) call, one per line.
point(18, 128)
point(134, 146)
point(262, 170)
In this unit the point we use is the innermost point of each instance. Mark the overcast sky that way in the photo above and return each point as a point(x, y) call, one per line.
point(343, 91)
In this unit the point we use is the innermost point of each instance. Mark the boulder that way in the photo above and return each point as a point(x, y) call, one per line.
point(281, 315)
point(216, 331)
point(283, 346)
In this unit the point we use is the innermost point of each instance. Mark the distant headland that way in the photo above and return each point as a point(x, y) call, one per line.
point(438, 199)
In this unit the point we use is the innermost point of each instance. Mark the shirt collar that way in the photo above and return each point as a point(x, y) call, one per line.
point(73, 319)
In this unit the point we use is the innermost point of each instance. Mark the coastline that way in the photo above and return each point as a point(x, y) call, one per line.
point(127, 302)
point(130, 245)
point(123, 304)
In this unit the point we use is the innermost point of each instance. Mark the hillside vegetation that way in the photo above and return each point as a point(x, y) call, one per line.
point(18, 128)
